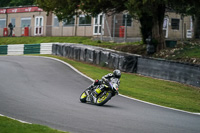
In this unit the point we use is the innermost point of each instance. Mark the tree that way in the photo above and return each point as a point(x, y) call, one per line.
point(150, 13)
point(151, 16)
point(4, 3)
point(68, 8)
point(151, 20)
point(21, 2)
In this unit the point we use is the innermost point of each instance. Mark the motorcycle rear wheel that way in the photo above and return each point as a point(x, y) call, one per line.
point(103, 98)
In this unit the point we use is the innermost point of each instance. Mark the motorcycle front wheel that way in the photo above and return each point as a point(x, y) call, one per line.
point(103, 98)
point(83, 97)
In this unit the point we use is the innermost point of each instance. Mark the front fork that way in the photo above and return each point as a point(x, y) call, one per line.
point(88, 93)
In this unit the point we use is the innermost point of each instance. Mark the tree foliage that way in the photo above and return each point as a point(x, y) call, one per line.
point(21, 2)
point(62, 8)
point(4, 3)
point(150, 13)
point(68, 8)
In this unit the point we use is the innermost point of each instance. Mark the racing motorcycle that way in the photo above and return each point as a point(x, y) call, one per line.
point(106, 91)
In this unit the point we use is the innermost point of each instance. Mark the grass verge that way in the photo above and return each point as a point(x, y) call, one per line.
point(165, 93)
point(80, 40)
point(8, 125)
point(35, 40)
point(185, 51)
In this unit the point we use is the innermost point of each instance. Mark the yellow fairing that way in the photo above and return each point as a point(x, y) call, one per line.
point(98, 90)
point(83, 96)
point(99, 100)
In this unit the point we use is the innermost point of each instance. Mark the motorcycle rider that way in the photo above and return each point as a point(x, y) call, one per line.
point(106, 78)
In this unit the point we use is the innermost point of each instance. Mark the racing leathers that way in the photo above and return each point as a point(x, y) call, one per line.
point(106, 78)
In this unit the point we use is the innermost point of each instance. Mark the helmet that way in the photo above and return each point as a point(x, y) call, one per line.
point(117, 73)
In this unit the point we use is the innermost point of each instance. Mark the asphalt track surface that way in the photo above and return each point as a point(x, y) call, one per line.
point(45, 91)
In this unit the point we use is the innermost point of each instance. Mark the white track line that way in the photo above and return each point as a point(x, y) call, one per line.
point(15, 119)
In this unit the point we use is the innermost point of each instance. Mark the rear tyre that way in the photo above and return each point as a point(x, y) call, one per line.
point(103, 98)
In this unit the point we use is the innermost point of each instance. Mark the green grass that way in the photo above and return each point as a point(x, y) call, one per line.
point(34, 40)
point(185, 51)
point(189, 51)
point(165, 93)
point(80, 40)
point(12, 126)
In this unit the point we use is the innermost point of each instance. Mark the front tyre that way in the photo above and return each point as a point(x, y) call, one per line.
point(103, 98)
point(83, 97)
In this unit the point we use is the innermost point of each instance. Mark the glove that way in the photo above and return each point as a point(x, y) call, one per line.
point(96, 82)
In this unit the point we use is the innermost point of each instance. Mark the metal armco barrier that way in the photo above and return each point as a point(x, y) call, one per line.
point(170, 70)
point(162, 69)
point(32, 49)
point(97, 55)
point(3, 49)
point(16, 49)
point(20, 49)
